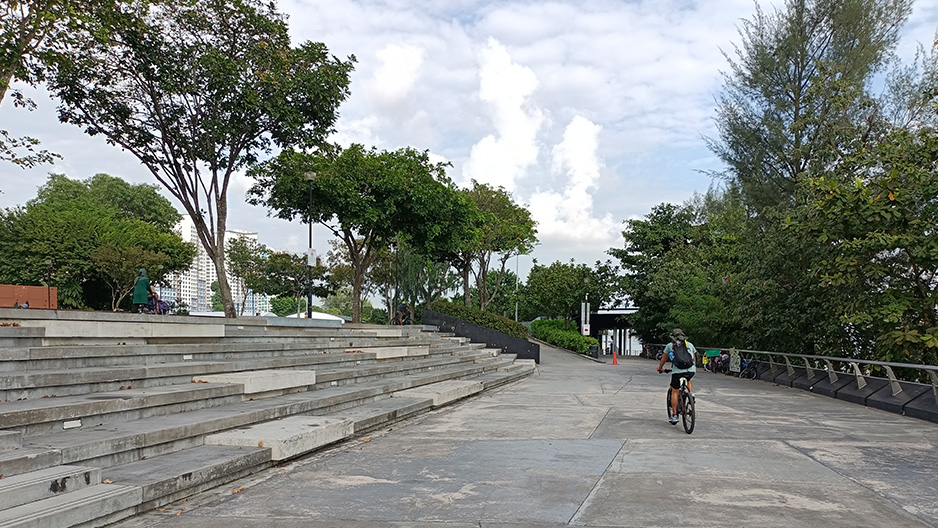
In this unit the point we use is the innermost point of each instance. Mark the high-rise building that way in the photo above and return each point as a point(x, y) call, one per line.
point(194, 286)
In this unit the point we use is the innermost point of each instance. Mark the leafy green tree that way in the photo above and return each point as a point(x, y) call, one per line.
point(366, 198)
point(246, 263)
point(129, 245)
point(216, 298)
point(880, 228)
point(32, 33)
point(53, 239)
point(506, 230)
point(648, 243)
point(289, 274)
point(197, 91)
point(283, 306)
point(776, 122)
point(560, 289)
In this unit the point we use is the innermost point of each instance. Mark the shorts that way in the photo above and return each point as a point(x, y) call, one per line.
point(676, 379)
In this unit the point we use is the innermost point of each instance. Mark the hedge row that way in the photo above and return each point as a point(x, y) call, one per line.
point(552, 332)
point(476, 316)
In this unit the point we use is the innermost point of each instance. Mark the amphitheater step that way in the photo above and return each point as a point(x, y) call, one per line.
point(442, 392)
point(263, 383)
point(90, 407)
point(379, 413)
point(166, 478)
point(102, 503)
point(288, 437)
point(45, 483)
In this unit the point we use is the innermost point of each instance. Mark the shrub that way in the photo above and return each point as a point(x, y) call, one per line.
point(476, 316)
point(552, 331)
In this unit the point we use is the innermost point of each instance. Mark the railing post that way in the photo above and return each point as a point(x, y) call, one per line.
point(791, 369)
point(893, 382)
point(808, 369)
point(830, 371)
point(772, 366)
point(861, 381)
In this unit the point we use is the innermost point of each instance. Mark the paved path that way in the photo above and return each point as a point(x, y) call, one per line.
point(582, 443)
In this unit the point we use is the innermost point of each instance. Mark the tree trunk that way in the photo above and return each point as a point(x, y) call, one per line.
point(357, 281)
point(224, 289)
point(465, 283)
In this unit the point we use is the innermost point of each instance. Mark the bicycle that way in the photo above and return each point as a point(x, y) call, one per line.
point(685, 405)
point(749, 370)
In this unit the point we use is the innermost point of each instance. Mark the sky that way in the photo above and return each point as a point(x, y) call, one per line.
point(589, 112)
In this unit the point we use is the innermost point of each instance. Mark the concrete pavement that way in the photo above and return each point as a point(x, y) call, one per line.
point(585, 443)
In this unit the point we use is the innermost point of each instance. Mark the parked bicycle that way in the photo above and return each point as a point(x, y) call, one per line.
point(685, 405)
point(748, 369)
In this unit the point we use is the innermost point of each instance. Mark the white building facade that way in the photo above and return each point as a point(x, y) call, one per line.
point(194, 286)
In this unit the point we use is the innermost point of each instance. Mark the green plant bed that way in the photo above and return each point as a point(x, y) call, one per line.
point(552, 331)
point(476, 316)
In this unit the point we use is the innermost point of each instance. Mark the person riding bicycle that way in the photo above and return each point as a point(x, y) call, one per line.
point(402, 315)
point(677, 335)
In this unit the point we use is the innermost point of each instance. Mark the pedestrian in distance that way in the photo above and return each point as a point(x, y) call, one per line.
point(142, 291)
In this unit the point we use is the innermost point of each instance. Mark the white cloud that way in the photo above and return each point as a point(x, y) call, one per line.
point(502, 158)
point(395, 78)
point(569, 215)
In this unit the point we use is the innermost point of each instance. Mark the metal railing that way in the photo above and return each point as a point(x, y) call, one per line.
point(833, 373)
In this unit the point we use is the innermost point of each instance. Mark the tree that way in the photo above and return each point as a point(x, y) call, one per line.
point(286, 273)
point(506, 230)
point(197, 91)
point(76, 235)
point(246, 263)
point(366, 198)
point(777, 121)
point(560, 289)
point(880, 228)
point(283, 306)
point(32, 33)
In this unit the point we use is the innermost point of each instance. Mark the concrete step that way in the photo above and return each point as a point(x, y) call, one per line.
point(173, 476)
point(264, 383)
point(105, 502)
point(38, 485)
point(495, 379)
point(45, 415)
point(287, 437)
point(10, 439)
point(368, 416)
point(123, 442)
point(442, 392)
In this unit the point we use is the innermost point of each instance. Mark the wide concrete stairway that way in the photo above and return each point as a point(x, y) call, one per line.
point(103, 416)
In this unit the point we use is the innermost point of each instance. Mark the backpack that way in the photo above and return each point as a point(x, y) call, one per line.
point(681, 357)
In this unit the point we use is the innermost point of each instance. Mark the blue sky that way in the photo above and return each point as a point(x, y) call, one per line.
point(589, 112)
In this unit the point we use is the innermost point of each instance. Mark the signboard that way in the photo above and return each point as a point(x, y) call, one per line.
point(311, 257)
point(586, 329)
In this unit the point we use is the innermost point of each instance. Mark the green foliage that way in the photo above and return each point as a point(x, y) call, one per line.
point(478, 317)
point(367, 198)
point(284, 306)
point(78, 236)
point(556, 333)
point(504, 229)
point(883, 251)
point(777, 115)
point(198, 90)
point(560, 289)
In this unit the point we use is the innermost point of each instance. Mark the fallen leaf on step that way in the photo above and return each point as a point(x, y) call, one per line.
point(107, 481)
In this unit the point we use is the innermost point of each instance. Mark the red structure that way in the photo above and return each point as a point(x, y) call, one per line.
point(37, 296)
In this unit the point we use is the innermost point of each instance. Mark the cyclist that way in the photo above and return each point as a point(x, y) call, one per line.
point(402, 315)
point(677, 335)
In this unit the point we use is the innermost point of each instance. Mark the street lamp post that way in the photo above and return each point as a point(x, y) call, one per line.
point(517, 280)
point(310, 258)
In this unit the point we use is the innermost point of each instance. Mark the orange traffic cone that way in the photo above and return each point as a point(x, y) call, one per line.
point(614, 355)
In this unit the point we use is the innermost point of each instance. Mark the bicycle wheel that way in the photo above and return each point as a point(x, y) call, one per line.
point(689, 414)
point(668, 405)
